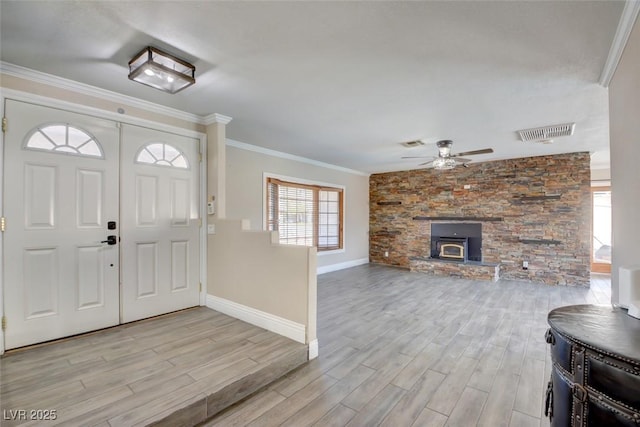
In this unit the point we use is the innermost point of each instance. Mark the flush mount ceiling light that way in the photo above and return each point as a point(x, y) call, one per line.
point(157, 69)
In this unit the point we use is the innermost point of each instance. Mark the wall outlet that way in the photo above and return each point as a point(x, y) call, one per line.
point(525, 265)
point(211, 229)
point(467, 186)
point(386, 254)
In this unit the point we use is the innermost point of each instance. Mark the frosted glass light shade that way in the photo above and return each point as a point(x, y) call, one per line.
point(444, 163)
point(158, 69)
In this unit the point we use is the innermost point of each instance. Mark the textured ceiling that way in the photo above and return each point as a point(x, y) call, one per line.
point(346, 82)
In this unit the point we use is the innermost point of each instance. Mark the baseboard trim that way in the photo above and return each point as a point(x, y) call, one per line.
point(313, 349)
point(342, 265)
point(270, 322)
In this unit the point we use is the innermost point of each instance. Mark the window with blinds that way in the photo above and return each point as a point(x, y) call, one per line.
point(305, 214)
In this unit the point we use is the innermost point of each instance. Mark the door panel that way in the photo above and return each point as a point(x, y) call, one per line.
point(40, 182)
point(90, 283)
point(89, 198)
point(41, 282)
point(146, 269)
point(146, 199)
point(180, 202)
point(160, 222)
point(61, 188)
point(179, 265)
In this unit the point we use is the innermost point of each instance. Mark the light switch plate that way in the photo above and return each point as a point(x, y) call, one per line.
point(211, 229)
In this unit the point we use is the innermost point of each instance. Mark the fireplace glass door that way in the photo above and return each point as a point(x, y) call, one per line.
point(452, 250)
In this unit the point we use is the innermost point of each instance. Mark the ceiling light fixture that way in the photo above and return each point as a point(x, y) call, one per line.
point(444, 163)
point(158, 69)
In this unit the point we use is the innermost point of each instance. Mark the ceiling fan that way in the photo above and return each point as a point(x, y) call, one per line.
point(445, 159)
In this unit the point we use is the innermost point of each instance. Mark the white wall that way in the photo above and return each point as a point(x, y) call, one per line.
point(599, 175)
point(624, 112)
point(245, 195)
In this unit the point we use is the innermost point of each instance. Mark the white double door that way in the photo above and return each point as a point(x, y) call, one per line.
point(101, 223)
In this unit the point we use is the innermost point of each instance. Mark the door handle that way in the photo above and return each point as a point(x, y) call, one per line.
point(111, 240)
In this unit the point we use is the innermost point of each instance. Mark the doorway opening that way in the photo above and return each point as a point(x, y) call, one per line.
point(601, 230)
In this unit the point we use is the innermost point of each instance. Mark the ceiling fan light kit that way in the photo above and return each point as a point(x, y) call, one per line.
point(444, 147)
point(442, 163)
point(155, 68)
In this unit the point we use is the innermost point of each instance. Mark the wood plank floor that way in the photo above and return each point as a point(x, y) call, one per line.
point(407, 349)
point(177, 369)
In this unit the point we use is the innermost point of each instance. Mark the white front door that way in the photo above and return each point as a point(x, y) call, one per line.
point(70, 266)
point(61, 192)
point(160, 222)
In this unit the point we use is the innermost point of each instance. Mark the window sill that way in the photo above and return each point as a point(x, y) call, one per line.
point(335, 251)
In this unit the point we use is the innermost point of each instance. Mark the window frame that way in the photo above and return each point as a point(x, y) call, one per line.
point(316, 187)
point(146, 146)
point(43, 126)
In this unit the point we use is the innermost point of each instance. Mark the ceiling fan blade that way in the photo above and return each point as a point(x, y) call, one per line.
point(426, 163)
point(417, 157)
point(471, 153)
point(461, 159)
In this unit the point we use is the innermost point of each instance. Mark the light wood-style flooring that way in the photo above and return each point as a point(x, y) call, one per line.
point(177, 369)
point(407, 349)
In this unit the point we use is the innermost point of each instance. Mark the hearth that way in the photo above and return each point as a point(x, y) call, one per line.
point(456, 241)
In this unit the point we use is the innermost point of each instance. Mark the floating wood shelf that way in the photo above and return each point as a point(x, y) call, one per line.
point(389, 203)
point(540, 241)
point(537, 198)
point(457, 218)
point(386, 233)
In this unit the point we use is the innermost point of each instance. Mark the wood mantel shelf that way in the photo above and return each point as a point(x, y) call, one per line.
point(457, 218)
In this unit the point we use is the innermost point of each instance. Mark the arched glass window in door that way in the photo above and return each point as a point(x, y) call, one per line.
point(63, 139)
point(161, 154)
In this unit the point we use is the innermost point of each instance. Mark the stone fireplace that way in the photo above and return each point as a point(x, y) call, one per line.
point(534, 209)
point(456, 241)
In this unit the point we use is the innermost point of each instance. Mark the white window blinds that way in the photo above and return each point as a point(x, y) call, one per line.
point(305, 214)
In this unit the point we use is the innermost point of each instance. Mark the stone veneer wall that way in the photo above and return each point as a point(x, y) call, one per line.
point(535, 209)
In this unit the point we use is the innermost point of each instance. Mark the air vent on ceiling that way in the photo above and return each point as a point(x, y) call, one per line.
point(411, 144)
point(547, 132)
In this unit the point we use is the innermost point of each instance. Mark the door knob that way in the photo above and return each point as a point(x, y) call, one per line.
point(111, 240)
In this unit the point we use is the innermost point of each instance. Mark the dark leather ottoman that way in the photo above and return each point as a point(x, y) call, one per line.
point(595, 379)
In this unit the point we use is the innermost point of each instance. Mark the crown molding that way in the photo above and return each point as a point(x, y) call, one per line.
point(216, 118)
point(61, 104)
point(280, 154)
point(625, 26)
point(85, 89)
